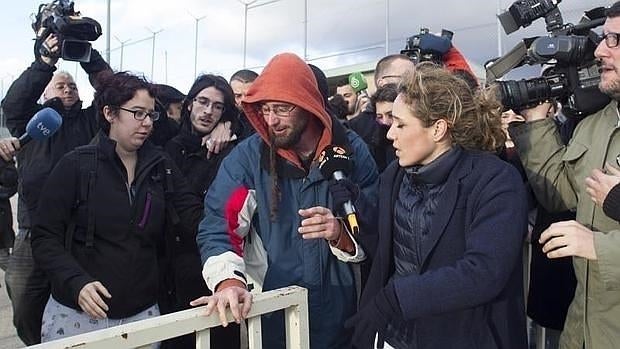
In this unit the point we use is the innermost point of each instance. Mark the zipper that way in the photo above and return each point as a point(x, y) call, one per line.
point(147, 210)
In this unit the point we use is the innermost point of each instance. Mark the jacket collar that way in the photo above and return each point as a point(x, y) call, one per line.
point(148, 155)
point(56, 104)
point(394, 176)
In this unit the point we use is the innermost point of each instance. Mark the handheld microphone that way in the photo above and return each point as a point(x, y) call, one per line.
point(358, 82)
point(42, 125)
point(334, 162)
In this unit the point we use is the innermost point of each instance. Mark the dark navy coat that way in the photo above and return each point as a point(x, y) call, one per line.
point(469, 290)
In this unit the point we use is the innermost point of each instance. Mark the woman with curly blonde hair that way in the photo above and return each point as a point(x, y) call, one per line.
point(446, 271)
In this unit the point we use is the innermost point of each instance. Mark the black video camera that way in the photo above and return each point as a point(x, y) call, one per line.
point(425, 46)
point(74, 31)
point(573, 74)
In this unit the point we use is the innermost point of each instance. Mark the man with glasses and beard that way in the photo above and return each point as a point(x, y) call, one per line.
point(270, 192)
point(558, 175)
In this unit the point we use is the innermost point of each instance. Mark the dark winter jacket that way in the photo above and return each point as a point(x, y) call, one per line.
point(191, 157)
point(468, 291)
point(37, 159)
point(8, 188)
point(129, 230)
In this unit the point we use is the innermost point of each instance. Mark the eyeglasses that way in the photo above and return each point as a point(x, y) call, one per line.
point(140, 115)
point(399, 77)
point(206, 102)
point(611, 39)
point(282, 110)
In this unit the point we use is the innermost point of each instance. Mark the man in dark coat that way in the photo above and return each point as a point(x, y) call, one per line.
point(28, 287)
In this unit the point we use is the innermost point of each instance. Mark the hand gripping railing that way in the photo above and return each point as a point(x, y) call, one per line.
point(141, 334)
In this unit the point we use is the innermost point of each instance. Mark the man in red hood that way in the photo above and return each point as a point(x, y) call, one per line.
point(270, 189)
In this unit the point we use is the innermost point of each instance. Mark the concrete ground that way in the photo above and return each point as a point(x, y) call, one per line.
point(8, 336)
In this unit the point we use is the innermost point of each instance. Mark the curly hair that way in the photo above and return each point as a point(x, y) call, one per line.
point(474, 117)
point(115, 90)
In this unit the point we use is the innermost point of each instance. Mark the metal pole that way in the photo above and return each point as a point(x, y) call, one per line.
point(153, 53)
point(197, 19)
point(122, 49)
point(305, 30)
point(107, 40)
point(245, 33)
point(387, 27)
point(166, 65)
point(499, 29)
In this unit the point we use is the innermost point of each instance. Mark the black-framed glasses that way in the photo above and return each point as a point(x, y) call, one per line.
point(140, 114)
point(282, 110)
point(611, 39)
point(206, 102)
point(399, 77)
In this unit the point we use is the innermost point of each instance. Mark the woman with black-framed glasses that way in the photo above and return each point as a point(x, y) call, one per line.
point(106, 216)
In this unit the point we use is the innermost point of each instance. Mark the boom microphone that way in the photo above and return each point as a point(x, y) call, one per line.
point(334, 162)
point(42, 125)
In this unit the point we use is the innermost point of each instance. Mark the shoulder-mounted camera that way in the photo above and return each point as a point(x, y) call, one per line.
point(73, 31)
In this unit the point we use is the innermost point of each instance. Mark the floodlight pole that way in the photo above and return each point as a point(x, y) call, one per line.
point(122, 50)
point(249, 5)
point(305, 30)
point(109, 31)
point(387, 27)
point(196, 19)
point(153, 52)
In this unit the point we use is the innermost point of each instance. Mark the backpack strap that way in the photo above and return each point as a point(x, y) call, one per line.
point(165, 168)
point(86, 179)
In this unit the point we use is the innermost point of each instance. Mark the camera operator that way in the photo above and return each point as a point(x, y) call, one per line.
point(557, 174)
point(28, 287)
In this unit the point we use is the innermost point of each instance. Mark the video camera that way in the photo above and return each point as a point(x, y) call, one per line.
point(425, 46)
point(568, 51)
point(74, 31)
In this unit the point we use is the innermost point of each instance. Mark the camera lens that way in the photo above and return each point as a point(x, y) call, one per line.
point(526, 93)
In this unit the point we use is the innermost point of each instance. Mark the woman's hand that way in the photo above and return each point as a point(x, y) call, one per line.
point(91, 302)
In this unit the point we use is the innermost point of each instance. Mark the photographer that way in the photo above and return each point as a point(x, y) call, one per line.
point(28, 287)
point(557, 172)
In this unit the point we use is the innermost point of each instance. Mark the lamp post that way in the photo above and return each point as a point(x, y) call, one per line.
point(108, 31)
point(122, 49)
point(197, 19)
point(153, 52)
point(305, 30)
point(387, 27)
point(249, 4)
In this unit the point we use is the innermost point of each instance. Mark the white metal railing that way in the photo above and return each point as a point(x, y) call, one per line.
point(141, 334)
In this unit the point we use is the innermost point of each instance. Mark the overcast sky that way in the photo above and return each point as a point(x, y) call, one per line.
point(334, 27)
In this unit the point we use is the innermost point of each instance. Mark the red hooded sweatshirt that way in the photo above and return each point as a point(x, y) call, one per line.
point(287, 78)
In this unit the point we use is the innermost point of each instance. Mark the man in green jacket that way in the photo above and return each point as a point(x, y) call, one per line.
point(557, 174)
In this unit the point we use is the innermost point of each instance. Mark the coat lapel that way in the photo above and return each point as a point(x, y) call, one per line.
point(444, 211)
point(385, 226)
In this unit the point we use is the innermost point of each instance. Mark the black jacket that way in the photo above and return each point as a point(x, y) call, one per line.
point(129, 234)
point(8, 188)
point(37, 159)
point(374, 135)
point(191, 157)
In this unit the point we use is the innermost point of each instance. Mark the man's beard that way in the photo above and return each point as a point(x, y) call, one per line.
point(612, 89)
point(289, 140)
